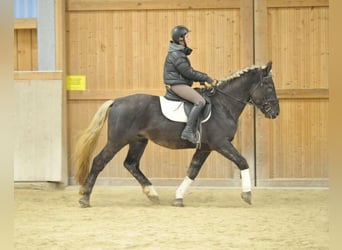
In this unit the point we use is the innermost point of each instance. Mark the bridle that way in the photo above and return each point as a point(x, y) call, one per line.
point(266, 102)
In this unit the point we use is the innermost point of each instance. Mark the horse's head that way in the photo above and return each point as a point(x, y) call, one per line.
point(263, 94)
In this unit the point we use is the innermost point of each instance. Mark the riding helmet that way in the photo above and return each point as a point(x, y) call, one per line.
point(179, 31)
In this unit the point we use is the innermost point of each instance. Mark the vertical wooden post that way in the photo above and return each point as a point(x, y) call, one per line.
point(260, 29)
point(61, 66)
point(246, 59)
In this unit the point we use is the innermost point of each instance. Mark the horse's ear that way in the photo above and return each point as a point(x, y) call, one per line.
point(268, 68)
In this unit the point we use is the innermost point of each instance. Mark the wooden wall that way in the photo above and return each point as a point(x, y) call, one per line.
point(294, 146)
point(121, 47)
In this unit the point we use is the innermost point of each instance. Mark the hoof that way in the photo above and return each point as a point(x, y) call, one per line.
point(247, 197)
point(178, 203)
point(154, 199)
point(151, 194)
point(84, 203)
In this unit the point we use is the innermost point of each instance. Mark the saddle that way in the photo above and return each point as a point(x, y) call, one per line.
point(178, 109)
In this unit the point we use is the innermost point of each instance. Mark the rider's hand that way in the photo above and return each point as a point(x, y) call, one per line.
point(208, 84)
point(215, 82)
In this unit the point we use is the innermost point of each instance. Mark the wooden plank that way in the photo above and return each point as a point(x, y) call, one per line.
point(296, 3)
point(25, 23)
point(160, 182)
point(38, 75)
point(34, 50)
point(24, 49)
point(60, 34)
point(261, 27)
point(15, 48)
point(60, 43)
point(246, 30)
point(294, 182)
point(91, 5)
point(110, 94)
point(245, 139)
point(283, 183)
point(303, 93)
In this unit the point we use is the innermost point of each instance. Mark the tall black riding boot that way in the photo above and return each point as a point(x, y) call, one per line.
point(189, 132)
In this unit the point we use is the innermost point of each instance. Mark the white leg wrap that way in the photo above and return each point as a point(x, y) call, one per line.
point(183, 187)
point(246, 180)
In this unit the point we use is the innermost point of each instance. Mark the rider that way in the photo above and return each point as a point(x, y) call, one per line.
point(179, 76)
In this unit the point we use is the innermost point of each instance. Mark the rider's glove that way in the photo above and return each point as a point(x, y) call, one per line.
point(214, 83)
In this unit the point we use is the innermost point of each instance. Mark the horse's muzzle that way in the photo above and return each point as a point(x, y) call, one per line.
point(271, 110)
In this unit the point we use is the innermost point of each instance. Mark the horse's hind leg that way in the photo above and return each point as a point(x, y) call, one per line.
point(98, 165)
point(132, 163)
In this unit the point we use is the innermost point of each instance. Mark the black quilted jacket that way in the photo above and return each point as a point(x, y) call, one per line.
point(177, 67)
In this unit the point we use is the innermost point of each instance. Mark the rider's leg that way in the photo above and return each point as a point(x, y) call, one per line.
point(189, 132)
point(188, 93)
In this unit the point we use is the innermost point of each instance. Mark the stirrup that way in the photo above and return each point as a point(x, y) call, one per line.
point(190, 137)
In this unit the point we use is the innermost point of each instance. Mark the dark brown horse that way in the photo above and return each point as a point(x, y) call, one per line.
point(135, 119)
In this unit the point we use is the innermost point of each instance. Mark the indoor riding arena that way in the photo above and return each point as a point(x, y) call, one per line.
point(71, 56)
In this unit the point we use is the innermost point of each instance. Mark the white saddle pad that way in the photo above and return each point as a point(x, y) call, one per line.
point(174, 110)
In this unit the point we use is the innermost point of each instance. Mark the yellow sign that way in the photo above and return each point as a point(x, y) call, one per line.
point(76, 83)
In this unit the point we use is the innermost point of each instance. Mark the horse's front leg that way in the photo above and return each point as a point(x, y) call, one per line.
point(196, 163)
point(229, 151)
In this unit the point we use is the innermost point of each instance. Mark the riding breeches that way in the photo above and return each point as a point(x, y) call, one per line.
point(187, 93)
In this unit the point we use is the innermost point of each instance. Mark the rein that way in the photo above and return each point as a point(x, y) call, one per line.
point(249, 101)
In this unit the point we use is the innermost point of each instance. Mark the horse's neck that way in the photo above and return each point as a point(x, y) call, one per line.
point(238, 93)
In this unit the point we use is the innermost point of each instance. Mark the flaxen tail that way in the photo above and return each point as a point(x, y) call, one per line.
point(86, 143)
